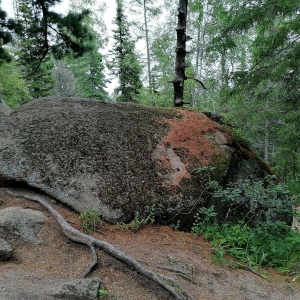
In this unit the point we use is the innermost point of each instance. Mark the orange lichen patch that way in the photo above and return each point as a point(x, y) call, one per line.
point(188, 134)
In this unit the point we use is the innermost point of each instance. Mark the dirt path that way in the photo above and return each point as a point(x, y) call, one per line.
point(36, 270)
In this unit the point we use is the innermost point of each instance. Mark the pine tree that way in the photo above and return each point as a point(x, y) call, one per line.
point(90, 80)
point(36, 68)
point(267, 92)
point(125, 63)
point(88, 70)
point(55, 33)
point(7, 28)
point(13, 88)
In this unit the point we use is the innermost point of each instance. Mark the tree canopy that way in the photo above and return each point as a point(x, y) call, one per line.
point(53, 32)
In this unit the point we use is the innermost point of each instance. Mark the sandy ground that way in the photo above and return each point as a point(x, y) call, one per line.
point(36, 270)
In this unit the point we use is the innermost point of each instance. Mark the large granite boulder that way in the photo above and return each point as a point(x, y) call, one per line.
point(120, 158)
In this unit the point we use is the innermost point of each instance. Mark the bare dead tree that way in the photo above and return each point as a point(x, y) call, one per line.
point(180, 64)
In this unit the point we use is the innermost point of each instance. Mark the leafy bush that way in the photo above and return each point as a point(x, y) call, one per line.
point(269, 243)
point(293, 185)
point(255, 201)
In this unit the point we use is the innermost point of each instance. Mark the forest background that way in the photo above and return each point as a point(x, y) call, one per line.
point(246, 53)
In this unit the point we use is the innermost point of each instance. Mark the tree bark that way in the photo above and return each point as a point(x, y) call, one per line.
point(180, 65)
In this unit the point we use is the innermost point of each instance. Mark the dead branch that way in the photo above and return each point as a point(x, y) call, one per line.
point(249, 268)
point(197, 80)
point(75, 235)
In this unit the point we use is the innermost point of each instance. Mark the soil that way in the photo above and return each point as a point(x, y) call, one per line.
point(36, 270)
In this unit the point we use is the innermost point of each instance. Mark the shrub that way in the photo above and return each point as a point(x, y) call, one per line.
point(260, 243)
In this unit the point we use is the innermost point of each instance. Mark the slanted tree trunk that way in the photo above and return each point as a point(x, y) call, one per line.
point(180, 65)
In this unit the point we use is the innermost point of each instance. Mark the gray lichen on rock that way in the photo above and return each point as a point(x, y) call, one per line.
point(118, 158)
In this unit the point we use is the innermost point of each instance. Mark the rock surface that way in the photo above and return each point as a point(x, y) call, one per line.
point(17, 223)
point(4, 108)
point(79, 289)
point(5, 250)
point(120, 158)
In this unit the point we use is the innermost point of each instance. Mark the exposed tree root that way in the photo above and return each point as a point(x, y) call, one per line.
point(75, 235)
point(178, 273)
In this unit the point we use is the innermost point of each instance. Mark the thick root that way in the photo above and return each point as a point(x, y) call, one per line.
point(75, 235)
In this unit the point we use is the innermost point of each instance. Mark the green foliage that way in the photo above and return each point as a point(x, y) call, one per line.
point(238, 134)
point(125, 65)
point(269, 243)
point(39, 33)
point(263, 95)
point(138, 222)
point(205, 221)
point(150, 218)
point(89, 81)
point(91, 220)
point(103, 293)
point(205, 172)
point(162, 66)
point(264, 200)
point(148, 97)
point(7, 27)
point(39, 83)
point(293, 186)
point(13, 88)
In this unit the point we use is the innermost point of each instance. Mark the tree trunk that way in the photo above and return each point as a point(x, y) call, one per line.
point(147, 46)
point(201, 41)
point(201, 31)
point(180, 64)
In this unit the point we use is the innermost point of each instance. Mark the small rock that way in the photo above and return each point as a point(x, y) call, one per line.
point(5, 250)
point(17, 223)
point(79, 289)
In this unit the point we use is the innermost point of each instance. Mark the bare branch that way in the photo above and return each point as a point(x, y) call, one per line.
point(201, 83)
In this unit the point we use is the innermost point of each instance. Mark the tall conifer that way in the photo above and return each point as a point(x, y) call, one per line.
point(125, 63)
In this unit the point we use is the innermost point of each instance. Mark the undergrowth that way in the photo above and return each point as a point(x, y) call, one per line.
point(293, 185)
point(138, 221)
point(262, 244)
point(271, 244)
point(91, 220)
